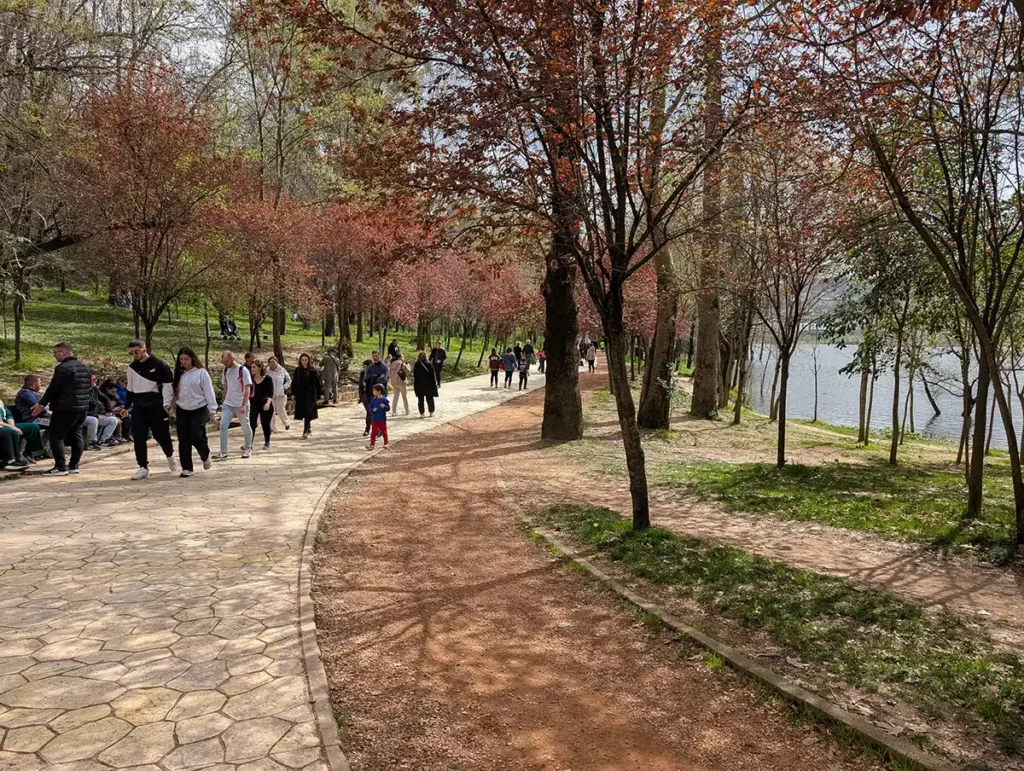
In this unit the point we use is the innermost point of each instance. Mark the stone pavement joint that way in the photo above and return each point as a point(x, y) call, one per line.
point(156, 624)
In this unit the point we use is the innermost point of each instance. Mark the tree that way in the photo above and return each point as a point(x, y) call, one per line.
point(146, 171)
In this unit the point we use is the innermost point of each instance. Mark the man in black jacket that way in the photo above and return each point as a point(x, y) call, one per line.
point(437, 358)
point(67, 396)
point(150, 396)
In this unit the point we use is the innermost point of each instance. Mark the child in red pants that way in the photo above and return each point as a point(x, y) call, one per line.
point(379, 407)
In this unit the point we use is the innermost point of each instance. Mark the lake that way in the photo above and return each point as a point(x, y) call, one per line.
point(838, 395)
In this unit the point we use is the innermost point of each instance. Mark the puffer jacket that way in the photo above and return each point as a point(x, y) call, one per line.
point(69, 388)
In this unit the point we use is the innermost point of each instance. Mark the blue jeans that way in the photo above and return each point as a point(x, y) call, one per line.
point(229, 413)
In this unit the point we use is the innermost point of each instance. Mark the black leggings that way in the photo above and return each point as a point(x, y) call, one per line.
point(144, 420)
point(191, 425)
point(430, 402)
point(590, 365)
point(508, 378)
point(494, 378)
point(265, 418)
point(307, 426)
point(522, 380)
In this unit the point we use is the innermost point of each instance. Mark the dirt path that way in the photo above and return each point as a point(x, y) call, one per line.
point(452, 641)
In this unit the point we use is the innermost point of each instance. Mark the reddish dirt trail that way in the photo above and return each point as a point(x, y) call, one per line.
point(453, 641)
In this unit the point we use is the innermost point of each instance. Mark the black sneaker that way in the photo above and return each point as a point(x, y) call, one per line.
point(16, 465)
point(95, 446)
point(56, 472)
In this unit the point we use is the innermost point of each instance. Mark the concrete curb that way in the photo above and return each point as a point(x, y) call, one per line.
point(897, 748)
point(316, 675)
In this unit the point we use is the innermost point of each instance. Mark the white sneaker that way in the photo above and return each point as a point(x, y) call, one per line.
point(185, 474)
point(142, 473)
point(208, 464)
point(172, 464)
point(246, 452)
point(218, 456)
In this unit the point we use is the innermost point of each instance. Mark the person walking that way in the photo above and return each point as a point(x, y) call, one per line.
point(494, 363)
point(379, 407)
point(194, 402)
point(282, 382)
point(375, 374)
point(510, 364)
point(394, 352)
point(424, 382)
point(67, 396)
point(261, 404)
point(398, 376)
point(517, 349)
point(330, 368)
point(528, 352)
point(149, 398)
point(365, 394)
point(237, 382)
point(438, 356)
point(592, 358)
point(542, 361)
point(524, 372)
point(307, 390)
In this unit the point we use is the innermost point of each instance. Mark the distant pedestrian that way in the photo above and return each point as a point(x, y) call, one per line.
point(494, 363)
point(424, 382)
point(261, 404)
point(524, 372)
point(394, 351)
point(379, 407)
point(249, 358)
point(592, 358)
point(150, 399)
point(237, 382)
point(194, 401)
point(282, 382)
point(307, 389)
point(438, 356)
point(517, 349)
point(510, 365)
point(330, 368)
point(365, 394)
point(398, 376)
point(528, 352)
point(542, 361)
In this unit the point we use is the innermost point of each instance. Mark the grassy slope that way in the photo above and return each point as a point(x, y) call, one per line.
point(101, 333)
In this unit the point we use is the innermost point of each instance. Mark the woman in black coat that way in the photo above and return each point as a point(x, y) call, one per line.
point(307, 388)
point(424, 382)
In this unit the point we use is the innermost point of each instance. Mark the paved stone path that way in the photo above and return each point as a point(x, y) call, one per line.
point(154, 625)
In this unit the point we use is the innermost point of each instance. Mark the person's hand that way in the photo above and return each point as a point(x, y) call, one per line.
point(17, 430)
point(37, 409)
point(168, 409)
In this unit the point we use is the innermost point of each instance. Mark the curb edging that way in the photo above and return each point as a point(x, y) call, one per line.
point(316, 675)
point(894, 746)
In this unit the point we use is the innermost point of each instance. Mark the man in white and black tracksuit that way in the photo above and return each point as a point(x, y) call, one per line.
point(150, 396)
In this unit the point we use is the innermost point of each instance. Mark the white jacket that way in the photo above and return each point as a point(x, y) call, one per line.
point(282, 380)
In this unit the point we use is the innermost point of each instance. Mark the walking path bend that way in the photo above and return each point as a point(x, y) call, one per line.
point(155, 625)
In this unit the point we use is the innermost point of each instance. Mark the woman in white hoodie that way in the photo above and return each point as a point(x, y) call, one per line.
point(282, 381)
point(194, 402)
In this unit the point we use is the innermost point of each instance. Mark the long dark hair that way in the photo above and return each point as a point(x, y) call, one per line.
point(179, 370)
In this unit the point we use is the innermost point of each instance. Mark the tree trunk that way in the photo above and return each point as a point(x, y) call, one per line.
point(150, 326)
point(563, 407)
point(278, 327)
point(689, 344)
point(725, 371)
point(871, 404)
point(815, 418)
point(895, 444)
point(931, 399)
point(991, 420)
point(329, 325)
point(975, 493)
point(1012, 448)
point(706, 375)
point(462, 347)
point(617, 341)
point(862, 434)
point(744, 366)
point(422, 334)
point(780, 448)
point(19, 303)
point(359, 326)
point(206, 328)
point(773, 403)
point(483, 351)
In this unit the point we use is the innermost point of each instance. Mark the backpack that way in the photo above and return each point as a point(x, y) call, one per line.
point(403, 372)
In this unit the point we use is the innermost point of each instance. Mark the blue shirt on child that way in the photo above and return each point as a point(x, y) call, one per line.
point(379, 406)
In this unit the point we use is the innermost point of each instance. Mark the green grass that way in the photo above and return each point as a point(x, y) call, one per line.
point(914, 501)
point(100, 333)
point(872, 641)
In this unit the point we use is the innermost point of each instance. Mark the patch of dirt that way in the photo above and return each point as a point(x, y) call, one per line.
point(452, 641)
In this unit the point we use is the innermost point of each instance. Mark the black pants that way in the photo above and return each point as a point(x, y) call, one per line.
point(430, 402)
point(522, 380)
point(494, 378)
point(307, 426)
point(508, 378)
point(64, 427)
point(590, 365)
point(437, 373)
point(192, 433)
point(8, 451)
point(265, 418)
point(366, 408)
point(126, 427)
point(540, 365)
point(144, 420)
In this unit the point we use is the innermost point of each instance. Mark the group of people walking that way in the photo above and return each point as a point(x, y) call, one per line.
point(518, 358)
point(384, 378)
